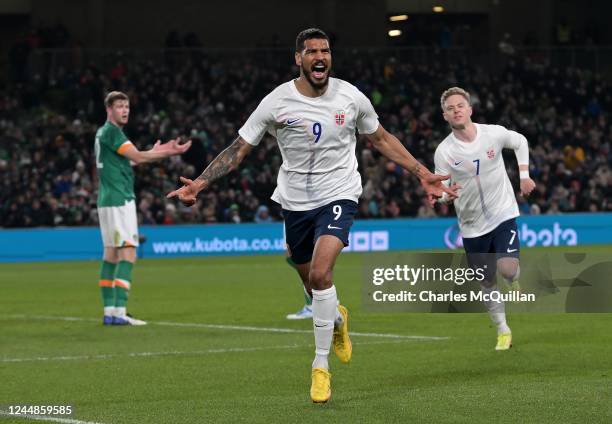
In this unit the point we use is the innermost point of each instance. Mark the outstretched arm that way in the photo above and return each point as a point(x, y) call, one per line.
point(158, 152)
point(392, 149)
point(227, 161)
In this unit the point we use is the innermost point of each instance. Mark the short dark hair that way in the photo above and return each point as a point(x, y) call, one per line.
point(113, 96)
point(308, 34)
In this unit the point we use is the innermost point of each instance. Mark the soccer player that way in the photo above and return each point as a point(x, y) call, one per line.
point(117, 207)
point(314, 119)
point(472, 155)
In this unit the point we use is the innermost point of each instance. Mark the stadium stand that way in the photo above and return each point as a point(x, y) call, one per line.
point(52, 107)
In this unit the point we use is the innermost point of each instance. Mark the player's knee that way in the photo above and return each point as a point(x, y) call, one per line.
point(509, 270)
point(110, 255)
point(320, 278)
point(127, 254)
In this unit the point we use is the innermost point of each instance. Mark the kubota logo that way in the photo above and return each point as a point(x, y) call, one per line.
point(547, 236)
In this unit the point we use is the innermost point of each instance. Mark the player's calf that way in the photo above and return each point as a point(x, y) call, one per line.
point(510, 270)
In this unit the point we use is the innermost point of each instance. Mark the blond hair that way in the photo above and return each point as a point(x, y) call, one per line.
point(113, 96)
point(451, 92)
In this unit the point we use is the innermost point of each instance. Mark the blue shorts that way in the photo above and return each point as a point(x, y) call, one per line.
point(303, 228)
point(502, 242)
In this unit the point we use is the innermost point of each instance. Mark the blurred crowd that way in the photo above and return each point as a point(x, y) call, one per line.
point(48, 122)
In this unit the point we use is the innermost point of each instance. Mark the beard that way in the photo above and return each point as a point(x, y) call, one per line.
point(458, 126)
point(317, 85)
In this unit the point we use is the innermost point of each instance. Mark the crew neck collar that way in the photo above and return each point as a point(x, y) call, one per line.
point(295, 90)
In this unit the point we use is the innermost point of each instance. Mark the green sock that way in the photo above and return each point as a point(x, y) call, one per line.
point(307, 297)
point(107, 275)
point(123, 282)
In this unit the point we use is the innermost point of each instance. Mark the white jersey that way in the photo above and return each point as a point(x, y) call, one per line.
point(316, 136)
point(486, 197)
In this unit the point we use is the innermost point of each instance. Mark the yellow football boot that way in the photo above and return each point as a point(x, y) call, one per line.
point(504, 341)
point(342, 342)
point(320, 390)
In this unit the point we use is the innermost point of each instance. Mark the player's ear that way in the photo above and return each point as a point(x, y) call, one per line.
point(298, 59)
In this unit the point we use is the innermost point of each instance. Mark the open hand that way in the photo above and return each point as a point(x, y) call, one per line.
point(172, 147)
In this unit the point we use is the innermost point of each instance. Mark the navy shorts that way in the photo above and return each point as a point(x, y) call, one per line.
point(303, 228)
point(502, 242)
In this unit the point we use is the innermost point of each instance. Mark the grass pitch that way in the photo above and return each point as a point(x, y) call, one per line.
point(213, 352)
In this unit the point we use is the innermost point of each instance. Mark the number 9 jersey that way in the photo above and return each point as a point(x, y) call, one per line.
point(317, 138)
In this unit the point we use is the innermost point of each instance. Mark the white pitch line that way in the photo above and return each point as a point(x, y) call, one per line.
point(172, 353)
point(289, 330)
point(46, 418)
point(147, 354)
point(233, 327)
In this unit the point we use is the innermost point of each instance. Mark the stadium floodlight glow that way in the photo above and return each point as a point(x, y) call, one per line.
point(395, 33)
point(438, 9)
point(397, 18)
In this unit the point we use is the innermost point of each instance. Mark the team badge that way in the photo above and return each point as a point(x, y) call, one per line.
point(339, 117)
point(490, 153)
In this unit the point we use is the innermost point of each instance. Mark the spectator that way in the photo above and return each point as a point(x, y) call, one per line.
point(263, 215)
point(47, 132)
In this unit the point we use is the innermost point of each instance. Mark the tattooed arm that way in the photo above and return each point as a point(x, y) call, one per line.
point(387, 144)
point(226, 162)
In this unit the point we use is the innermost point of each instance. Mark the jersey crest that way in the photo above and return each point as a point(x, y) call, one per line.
point(490, 153)
point(339, 117)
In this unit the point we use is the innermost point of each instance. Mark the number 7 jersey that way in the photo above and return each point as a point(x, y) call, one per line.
point(317, 139)
point(486, 197)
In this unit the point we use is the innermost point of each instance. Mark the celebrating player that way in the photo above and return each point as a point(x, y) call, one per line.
point(116, 205)
point(314, 119)
point(487, 208)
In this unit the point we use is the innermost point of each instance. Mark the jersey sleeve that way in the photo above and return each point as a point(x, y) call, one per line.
point(259, 122)
point(116, 140)
point(506, 138)
point(442, 168)
point(517, 142)
point(367, 119)
point(441, 165)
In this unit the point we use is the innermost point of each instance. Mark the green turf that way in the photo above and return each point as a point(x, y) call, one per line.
point(559, 371)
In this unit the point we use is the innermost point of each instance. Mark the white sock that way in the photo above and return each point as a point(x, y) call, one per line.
point(120, 311)
point(497, 310)
point(324, 309)
point(109, 311)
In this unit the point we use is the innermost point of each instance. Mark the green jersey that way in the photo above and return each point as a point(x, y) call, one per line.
point(115, 176)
